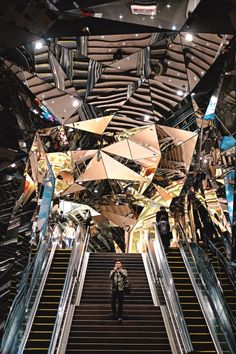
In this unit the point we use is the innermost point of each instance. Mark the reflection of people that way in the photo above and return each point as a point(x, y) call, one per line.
point(88, 220)
point(56, 234)
point(118, 277)
point(61, 217)
point(162, 214)
point(69, 234)
point(163, 226)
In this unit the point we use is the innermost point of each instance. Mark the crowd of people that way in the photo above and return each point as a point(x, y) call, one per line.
point(65, 231)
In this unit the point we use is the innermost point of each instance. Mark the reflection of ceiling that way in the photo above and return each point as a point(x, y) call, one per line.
point(116, 114)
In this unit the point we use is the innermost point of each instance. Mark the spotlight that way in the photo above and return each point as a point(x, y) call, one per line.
point(75, 103)
point(189, 37)
point(38, 45)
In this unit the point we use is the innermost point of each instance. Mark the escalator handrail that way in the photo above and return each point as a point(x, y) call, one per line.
point(226, 264)
point(8, 337)
point(37, 299)
point(19, 306)
point(171, 295)
point(74, 268)
point(205, 301)
point(212, 277)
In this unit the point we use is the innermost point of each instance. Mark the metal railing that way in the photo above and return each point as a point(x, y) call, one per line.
point(20, 308)
point(225, 264)
point(163, 274)
point(210, 296)
point(33, 311)
point(73, 272)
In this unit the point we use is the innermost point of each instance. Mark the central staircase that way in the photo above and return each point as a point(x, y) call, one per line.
point(93, 331)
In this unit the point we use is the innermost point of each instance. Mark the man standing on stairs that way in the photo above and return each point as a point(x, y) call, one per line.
point(119, 277)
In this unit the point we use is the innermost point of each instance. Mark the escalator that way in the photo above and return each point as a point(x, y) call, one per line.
point(195, 321)
point(226, 285)
point(44, 320)
point(94, 331)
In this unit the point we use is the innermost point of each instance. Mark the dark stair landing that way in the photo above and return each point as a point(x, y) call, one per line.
point(93, 331)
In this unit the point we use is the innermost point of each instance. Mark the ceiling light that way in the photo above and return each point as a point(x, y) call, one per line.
point(168, 6)
point(102, 37)
point(75, 103)
point(189, 37)
point(38, 45)
point(169, 80)
point(173, 27)
point(152, 17)
point(109, 50)
point(146, 117)
point(123, 43)
point(208, 44)
point(128, 58)
point(180, 93)
point(35, 111)
point(120, 16)
point(136, 35)
point(118, 67)
point(13, 165)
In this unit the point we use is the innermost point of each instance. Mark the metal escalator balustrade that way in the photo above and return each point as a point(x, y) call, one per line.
point(158, 269)
point(42, 327)
point(225, 275)
point(23, 302)
point(209, 295)
point(93, 331)
point(197, 327)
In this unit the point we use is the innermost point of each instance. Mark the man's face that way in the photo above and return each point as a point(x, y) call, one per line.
point(118, 265)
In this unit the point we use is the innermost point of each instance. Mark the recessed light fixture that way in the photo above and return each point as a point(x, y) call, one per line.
point(208, 44)
point(169, 80)
point(75, 103)
point(152, 17)
point(118, 67)
point(136, 35)
point(173, 27)
point(180, 93)
point(168, 6)
point(102, 37)
point(128, 58)
point(120, 16)
point(146, 117)
point(189, 37)
point(38, 45)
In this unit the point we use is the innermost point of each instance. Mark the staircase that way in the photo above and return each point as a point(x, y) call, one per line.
point(93, 331)
point(41, 331)
point(197, 327)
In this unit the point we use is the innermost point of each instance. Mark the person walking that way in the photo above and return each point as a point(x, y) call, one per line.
point(119, 277)
point(69, 234)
